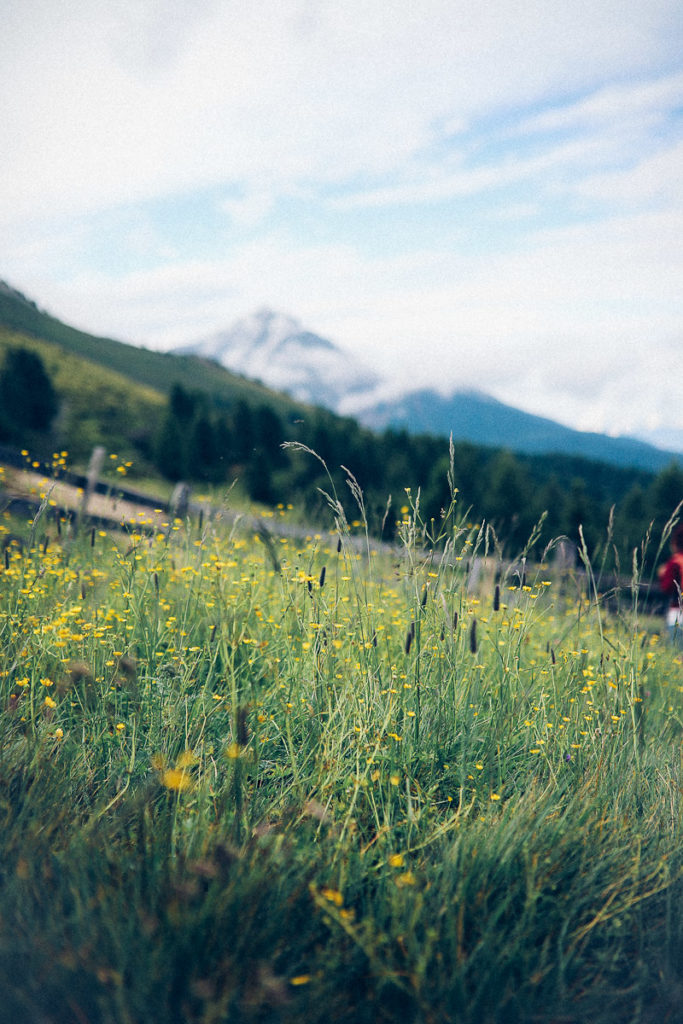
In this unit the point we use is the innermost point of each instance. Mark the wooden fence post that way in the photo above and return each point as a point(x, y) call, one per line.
point(94, 470)
point(179, 504)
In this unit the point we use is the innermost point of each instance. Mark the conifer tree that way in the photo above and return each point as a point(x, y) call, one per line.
point(171, 448)
point(28, 399)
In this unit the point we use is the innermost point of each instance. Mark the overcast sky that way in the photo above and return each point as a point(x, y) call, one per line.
point(468, 193)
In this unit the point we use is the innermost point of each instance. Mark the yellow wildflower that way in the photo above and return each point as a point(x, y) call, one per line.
point(176, 779)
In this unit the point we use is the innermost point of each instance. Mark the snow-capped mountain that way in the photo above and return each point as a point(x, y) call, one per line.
point(277, 350)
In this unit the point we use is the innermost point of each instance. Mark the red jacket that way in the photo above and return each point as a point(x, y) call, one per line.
point(671, 578)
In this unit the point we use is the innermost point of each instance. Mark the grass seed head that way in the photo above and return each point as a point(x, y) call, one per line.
point(473, 636)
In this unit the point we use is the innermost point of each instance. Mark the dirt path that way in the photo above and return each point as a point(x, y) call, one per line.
point(16, 483)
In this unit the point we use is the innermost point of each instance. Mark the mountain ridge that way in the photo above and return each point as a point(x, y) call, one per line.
point(159, 370)
point(470, 415)
point(333, 380)
point(270, 346)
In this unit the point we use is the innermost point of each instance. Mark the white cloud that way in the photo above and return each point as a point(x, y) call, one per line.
point(563, 326)
point(603, 136)
point(558, 162)
point(249, 208)
point(107, 105)
point(655, 176)
point(643, 103)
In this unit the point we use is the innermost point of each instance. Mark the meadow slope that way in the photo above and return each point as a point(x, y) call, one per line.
point(246, 778)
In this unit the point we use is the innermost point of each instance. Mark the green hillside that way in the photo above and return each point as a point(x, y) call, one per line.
point(97, 405)
point(157, 370)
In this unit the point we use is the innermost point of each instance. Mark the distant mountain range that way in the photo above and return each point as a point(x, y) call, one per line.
point(277, 350)
point(668, 438)
point(281, 354)
point(473, 416)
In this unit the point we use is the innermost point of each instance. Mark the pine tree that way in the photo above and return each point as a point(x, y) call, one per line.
point(203, 450)
point(27, 397)
point(171, 448)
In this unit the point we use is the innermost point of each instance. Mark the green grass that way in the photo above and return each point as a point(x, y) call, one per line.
point(234, 787)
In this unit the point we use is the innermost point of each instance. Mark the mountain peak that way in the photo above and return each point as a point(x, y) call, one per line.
point(270, 322)
point(277, 349)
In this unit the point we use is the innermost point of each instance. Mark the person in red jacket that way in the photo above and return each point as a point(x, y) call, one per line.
point(671, 582)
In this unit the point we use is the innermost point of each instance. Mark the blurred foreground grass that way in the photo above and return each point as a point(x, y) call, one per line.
point(247, 778)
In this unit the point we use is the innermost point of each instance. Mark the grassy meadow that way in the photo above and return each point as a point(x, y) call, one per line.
point(246, 777)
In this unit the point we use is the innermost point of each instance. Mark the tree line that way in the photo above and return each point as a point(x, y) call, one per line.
point(202, 441)
point(28, 400)
point(206, 440)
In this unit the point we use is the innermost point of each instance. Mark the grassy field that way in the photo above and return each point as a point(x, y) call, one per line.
point(250, 779)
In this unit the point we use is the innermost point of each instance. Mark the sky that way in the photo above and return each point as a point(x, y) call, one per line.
point(461, 194)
